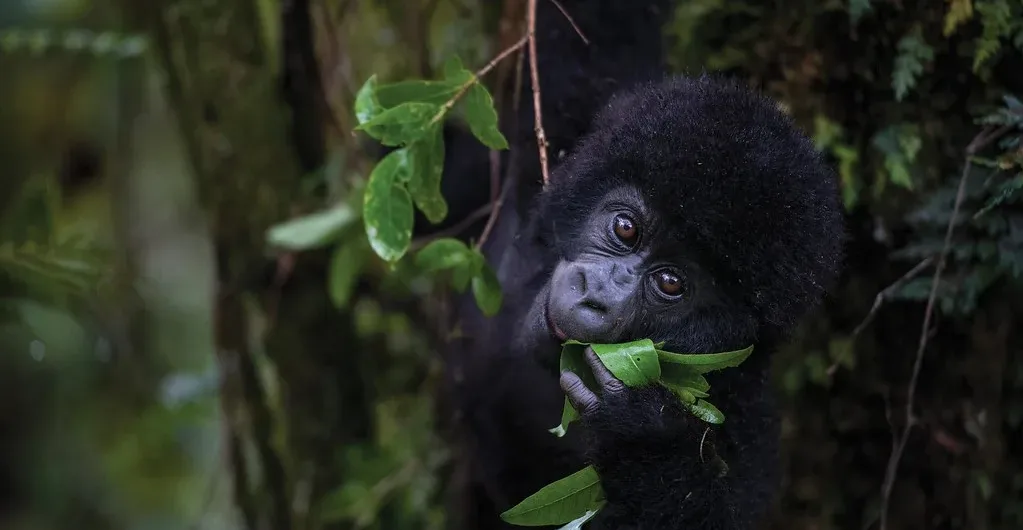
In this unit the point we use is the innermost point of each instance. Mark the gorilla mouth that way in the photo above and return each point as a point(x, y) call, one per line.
point(551, 326)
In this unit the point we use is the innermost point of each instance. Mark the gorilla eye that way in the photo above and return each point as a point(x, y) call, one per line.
point(669, 283)
point(625, 229)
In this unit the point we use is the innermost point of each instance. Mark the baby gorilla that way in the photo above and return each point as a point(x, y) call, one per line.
point(695, 213)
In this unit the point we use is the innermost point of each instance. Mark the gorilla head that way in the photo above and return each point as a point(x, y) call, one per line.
point(695, 213)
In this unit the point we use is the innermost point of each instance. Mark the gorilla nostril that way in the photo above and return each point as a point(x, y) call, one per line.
point(596, 306)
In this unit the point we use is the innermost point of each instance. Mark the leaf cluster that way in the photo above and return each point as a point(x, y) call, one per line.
point(573, 500)
point(409, 116)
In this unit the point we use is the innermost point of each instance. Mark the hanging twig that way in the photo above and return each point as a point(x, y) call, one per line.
point(985, 138)
point(541, 136)
point(476, 78)
point(880, 299)
point(571, 21)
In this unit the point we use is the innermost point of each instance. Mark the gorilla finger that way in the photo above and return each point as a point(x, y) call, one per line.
point(584, 400)
point(604, 377)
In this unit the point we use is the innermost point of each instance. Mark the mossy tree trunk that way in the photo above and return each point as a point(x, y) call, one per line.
point(248, 112)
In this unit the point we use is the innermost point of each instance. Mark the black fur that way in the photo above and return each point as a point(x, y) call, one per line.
point(743, 192)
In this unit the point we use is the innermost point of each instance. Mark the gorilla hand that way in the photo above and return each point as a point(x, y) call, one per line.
point(638, 437)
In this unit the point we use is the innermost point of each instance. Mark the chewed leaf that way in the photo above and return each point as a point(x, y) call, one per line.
point(401, 125)
point(707, 412)
point(634, 363)
point(706, 362)
point(560, 502)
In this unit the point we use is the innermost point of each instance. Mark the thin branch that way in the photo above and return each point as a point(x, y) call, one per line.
point(534, 75)
point(476, 77)
point(455, 229)
point(495, 209)
point(571, 21)
point(983, 139)
point(880, 299)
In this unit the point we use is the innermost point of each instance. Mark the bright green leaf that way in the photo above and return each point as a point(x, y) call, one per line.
point(482, 118)
point(702, 363)
point(401, 125)
point(311, 231)
point(560, 502)
point(426, 158)
point(634, 363)
point(455, 71)
point(387, 207)
point(707, 412)
point(486, 288)
point(572, 360)
point(345, 264)
point(367, 106)
point(684, 376)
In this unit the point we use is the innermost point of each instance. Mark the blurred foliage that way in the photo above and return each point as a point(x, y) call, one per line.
point(121, 395)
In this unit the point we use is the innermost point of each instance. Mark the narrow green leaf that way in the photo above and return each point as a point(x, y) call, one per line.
point(482, 118)
point(707, 412)
point(311, 231)
point(685, 394)
point(401, 125)
point(444, 253)
point(387, 207)
point(367, 106)
point(418, 91)
point(559, 502)
point(426, 158)
point(486, 288)
point(634, 363)
point(345, 264)
point(683, 375)
point(572, 360)
point(702, 363)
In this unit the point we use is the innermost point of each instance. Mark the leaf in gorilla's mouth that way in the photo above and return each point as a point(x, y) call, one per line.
point(576, 498)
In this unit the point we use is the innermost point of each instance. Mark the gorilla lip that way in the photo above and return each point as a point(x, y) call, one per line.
point(554, 329)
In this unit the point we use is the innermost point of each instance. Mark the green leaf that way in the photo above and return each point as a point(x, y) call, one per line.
point(959, 11)
point(417, 91)
point(401, 125)
point(914, 54)
point(572, 360)
point(444, 253)
point(387, 207)
point(345, 264)
point(707, 412)
point(426, 158)
point(311, 231)
point(486, 288)
point(702, 363)
point(367, 106)
point(634, 363)
point(560, 502)
point(454, 70)
point(482, 118)
point(684, 376)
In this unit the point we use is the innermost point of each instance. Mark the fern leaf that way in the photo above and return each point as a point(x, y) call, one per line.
point(959, 11)
point(996, 20)
point(914, 55)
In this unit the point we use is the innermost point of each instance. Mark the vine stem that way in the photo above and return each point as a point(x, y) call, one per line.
point(983, 139)
point(534, 75)
point(476, 77)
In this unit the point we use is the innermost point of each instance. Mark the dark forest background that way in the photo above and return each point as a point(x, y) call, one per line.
point(172, 356)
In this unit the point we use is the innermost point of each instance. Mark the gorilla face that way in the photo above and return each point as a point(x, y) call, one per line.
point(620, 277)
